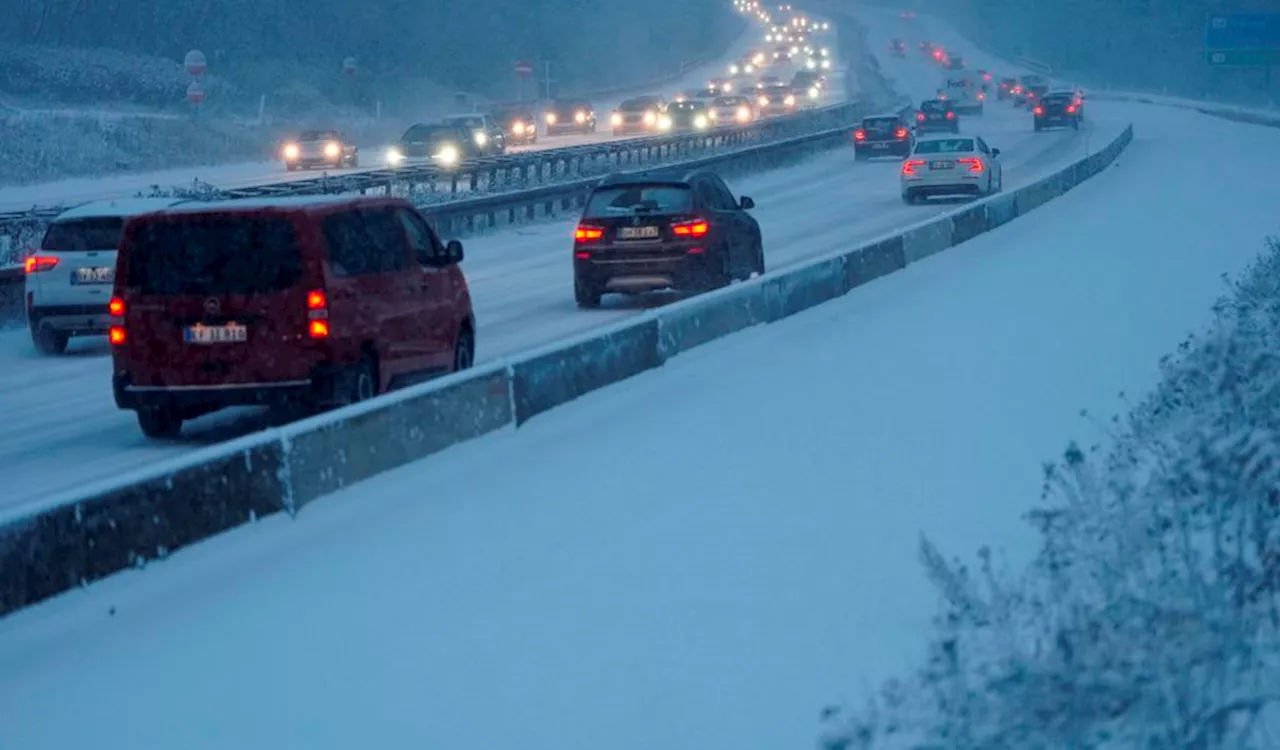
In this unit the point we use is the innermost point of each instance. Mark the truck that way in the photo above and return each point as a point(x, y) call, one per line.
point(964, 90)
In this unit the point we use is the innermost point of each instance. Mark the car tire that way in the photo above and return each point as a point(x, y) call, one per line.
point(356, 383)
point(1075, 124)
point(290, 167)
point(464, 351)
point(354, 163)
point(910, 198)
point(1039, 127)
point(159, 422)
point(586, 295)
point(48, 341)
point(758, 266)
point(859, 155)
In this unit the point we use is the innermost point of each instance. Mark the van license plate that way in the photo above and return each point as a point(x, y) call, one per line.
point(231, 333)
point(94, 275)
point(637, 233)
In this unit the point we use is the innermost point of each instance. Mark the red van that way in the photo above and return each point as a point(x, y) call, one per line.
point(312, 302)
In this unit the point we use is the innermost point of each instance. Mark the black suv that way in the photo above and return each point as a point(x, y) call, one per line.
point(570, 116)
point(937, 116)
point(883, 135)
point(1057, 109)
point(518, 122)
point(488, 136)
point(663, 229)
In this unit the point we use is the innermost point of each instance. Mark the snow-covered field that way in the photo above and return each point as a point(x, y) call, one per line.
point(522, 285)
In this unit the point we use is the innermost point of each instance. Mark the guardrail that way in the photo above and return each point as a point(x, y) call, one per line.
point(133, 520)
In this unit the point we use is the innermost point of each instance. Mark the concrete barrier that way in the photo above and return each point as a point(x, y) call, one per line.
point(558, 375)
point(333, 451)
point(922, 241)
point(67, 545)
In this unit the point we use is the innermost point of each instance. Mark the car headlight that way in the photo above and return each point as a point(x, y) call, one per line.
point(744, 114)
point(750, 69)
point(394, 156)
point(727, 88)
point(579, 117)
point(795, 50)
point(650, 118)
point(481, 139)
point(763, 101)
point(664, 123)
point(813, 92)
point(518, 128)
point(811, 63)
point(332, 150)
point(700, 122)
point(291, 151)
point(768, 37)
point(826, 65)
point(615, 119)
point(789, 101)
point(551, 118)
point(712, 114)
point(734, 70)
point(447, 155)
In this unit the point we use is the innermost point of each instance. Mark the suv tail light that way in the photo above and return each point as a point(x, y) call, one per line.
point(1038, 110)
point(860, 135)
point(38, 263)
point(911, 165)
point(695, 228)
point(1071, 109)
point(901, 133)
point(951, 115)
point(317, 314)
point(588, 233)
point(116, 307)
point(116, 334)
point(974, 164)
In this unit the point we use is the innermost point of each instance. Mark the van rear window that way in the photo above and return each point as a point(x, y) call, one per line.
point(625, 200)
point(214, 256)
point(83, 235)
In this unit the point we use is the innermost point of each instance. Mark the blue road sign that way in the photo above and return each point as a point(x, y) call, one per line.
point(1243, 31)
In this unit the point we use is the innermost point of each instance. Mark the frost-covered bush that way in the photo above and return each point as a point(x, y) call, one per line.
point(1149, 617)
point(48, 147)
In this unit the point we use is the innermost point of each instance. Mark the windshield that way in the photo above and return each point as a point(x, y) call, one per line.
point(880, 123)
point(686, 107)
point(318, 135)
point(79, 235)
point(934, 107)
point(569, 105)
point(729, 101)
point(624, 200)
point(204, 255)
point(638, 105)
point(945, 146)
point(428, 134)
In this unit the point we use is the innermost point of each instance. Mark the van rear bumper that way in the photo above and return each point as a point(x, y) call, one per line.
point(206, 398)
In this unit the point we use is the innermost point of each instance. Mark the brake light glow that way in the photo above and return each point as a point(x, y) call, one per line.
point(982, 96)
point(911, 165)
point(582, 255)
point(860, 135)
point(1071, 109)
point(901, 132)
point(319, 329)
point(38, 263)
point(696, 228)
point(116, 335)
point(951, 115)
point(316, 300)
point(920, 116)
point(974, 164)
point(587, 233)
point(116, 307)
point(1038, 110)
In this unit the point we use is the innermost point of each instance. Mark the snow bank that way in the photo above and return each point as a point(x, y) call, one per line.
point(1148, 618)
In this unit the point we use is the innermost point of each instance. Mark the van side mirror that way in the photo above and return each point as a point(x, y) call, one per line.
point(746, 203)
point(453, 251)
point(995, 152)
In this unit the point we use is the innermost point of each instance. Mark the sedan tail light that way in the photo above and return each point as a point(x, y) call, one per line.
point(920, 116)
point(911, 165)
point(951, 115)
point(695, 228)
point(901, 133)
point(1071, 109)
point(860, 135)
point(588, 233)
point(39, 263)
point(974, 164)
point(1038, 110)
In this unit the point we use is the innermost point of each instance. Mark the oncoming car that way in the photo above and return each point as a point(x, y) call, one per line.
point(779, 99)
point(689, 116)
point(951, 166)
point(669, 229)
point(294, 303)
point(68, 280)
point(570, 116)
point(319, 148)
point(642, 114)
point(729, 110)
point(518, 122)
point(489, 137)
point(442, 145)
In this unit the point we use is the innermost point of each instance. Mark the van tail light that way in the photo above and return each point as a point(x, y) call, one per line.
point(1038, 110)
point(697, 228)
point(901, 132)
point(860, 135)
point(974, 164)
point(116, 307)
point(951, 115)
point(38, 263)
point(911, 165)
point(317, 314)
point(116, 335)
point(588, 233)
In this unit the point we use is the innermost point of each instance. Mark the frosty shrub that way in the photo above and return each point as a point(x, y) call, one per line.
point(1148, 618)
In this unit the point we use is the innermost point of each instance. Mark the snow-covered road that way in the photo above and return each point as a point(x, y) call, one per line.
point(702, 556)
point(63, 428)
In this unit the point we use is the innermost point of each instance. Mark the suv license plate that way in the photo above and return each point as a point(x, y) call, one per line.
point(231, 333)
point(94, 275)
point(637, 233)
point(941, 164)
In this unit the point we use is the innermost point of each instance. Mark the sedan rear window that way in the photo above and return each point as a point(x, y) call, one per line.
point(211, 255)
point(624, 200)
point(934, 106)
point(880, 123)
point(945, 146)
point(83, 235)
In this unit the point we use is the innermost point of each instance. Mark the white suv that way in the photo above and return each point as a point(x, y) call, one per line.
point(69, 279)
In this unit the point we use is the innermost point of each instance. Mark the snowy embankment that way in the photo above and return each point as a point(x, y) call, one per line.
point(1148, 617)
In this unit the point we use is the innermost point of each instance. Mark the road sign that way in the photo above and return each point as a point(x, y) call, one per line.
point(524, 68)
point(195, 63)
point(349, 66)
point(195, 93)
point(1242, 31)
point(1244, 57)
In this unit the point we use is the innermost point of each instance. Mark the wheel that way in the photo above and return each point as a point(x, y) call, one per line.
point(859, 155)
point(587, 296)
point(1075, 124)
point(159, 422)
point(354, 162)
point(464, 352)
point(758, 266)
point(49, 341)
point(909, 198)
point(357, 383)
point(290, 167)
point(1039, 127)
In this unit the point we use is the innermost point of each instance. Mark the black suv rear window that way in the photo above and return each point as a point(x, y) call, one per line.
point(212, 255)
point(83, 235)
point(624, 200)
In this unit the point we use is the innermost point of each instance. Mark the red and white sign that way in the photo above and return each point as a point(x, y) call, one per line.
point(195, 63)
point(195, 93)
point(349, 66)
point(524, 68)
